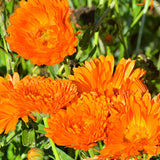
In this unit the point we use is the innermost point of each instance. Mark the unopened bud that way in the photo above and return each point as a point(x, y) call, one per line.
point(35, 154)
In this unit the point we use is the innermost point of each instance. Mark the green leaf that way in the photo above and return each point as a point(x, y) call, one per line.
point(10, 152)
point(88, 56)
point(28, 137)
point(3, 52)
point(10, 6)
point(41, 129)
point(84, 42)
point(54, 70)
point(11, 136)
point(63, 155)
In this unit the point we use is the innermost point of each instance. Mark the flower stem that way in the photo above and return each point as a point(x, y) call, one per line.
point(76, 154)
point(102, 18)
point(101, 3)
point(51, 142)
point(142, 26)
point(89, 3)
point(91, 153)
point(100, 145)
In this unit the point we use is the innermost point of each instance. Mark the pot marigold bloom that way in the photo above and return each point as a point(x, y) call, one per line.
point(10, 83)
point(44, 94)
point(9, 116)
point(46, 36)
point(81, 125)
point(135, 131)
point(19, 98)
point(97, 76)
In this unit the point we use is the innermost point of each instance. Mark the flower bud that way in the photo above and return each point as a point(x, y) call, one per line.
point(35, 154)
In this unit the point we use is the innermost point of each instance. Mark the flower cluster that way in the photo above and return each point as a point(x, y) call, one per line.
point(92, 106)
point(97, 103)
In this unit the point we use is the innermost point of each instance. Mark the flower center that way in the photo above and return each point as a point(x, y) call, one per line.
point(136, 133)
point(46, 36)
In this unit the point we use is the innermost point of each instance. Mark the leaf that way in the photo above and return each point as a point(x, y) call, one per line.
point(3, 52)
point(88, 56)
point(84, 42)
point(28, 137)
point(54, 70)
point(11, 136)
point(41, 129)
point(63, 155)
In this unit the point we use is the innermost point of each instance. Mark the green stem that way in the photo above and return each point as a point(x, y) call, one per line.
point(121, 36)
point(96, 36)
point(51, 142)
point(79, 53)
point(101, 2)
point(116, 6)
point(91, 153)
point(67, 70)
point(102, 18)
point(8, 62)
point(142, 26)
point(89, 3)
point(76, 154)
point(158, 64)
point(100, 145)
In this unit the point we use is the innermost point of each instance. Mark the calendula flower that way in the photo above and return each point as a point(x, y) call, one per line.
point(97, 76)
point(9, 84)
point(44, 94)
point(137, 130)
point(19, 98)
point(81, 125)
point(10, 114)
point(46, 36)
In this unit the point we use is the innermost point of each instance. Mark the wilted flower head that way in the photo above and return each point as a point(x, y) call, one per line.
point(41, 31)
point(81, 125)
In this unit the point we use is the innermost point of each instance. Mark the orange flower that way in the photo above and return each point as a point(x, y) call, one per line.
point(35, 154)
point(81, 125)
point(43, 94)
point(9, 84)
point(18, 99)
point(97, 76)
point(134, 131)
point(152, 4)
point(46, 36)
point(9, 115)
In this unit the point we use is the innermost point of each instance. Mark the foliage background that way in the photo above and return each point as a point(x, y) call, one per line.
point(127, 30)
